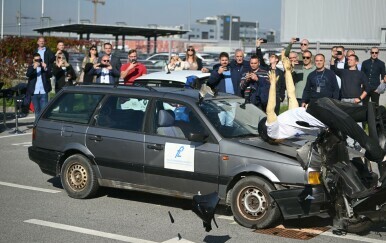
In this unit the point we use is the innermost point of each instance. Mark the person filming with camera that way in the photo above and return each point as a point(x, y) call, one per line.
point(104, 71)
point(39, 84)
point(132, 69)
point(254, 84)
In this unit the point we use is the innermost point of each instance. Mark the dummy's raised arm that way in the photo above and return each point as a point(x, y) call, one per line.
point(292, 102)
point(271, 115)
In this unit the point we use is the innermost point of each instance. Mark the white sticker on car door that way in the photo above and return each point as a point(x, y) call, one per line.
point(179, 157)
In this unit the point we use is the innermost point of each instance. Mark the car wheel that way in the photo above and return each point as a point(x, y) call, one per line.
point(251, 204)
point(78, 177)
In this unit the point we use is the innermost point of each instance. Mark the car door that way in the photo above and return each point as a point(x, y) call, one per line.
point(116, 139)
point(65, 121)
point(174, 163)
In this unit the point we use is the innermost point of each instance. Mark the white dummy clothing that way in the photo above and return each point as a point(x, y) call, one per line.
point(286, 127)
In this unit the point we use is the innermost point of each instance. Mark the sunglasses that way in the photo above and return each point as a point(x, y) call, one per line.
point(190, 49)
point(374, 52)
point(105, 60)
point(302, 44)
point(306, 57)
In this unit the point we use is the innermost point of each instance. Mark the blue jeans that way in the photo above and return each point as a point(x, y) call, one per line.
point(39, 101)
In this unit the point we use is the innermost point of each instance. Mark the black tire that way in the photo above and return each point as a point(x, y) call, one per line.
point(78, 178)
point(251, 204)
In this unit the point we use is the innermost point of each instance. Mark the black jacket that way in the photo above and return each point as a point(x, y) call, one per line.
point(49, 58)
point(116, 64)
point(32, 79)
point(374, 70)
point(345, 63)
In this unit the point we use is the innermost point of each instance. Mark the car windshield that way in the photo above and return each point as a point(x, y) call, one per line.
point(232, 117)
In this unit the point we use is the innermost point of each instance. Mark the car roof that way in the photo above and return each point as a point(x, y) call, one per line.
point(145, 91)
point(179, 76)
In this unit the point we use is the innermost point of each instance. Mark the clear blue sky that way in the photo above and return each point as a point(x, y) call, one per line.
point(139, 12)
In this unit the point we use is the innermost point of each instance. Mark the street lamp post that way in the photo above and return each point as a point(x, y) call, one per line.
point(2, 19)
point(230, 33)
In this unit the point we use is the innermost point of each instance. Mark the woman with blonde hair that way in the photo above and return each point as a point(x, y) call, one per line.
point(176, 64)
point(63, 72)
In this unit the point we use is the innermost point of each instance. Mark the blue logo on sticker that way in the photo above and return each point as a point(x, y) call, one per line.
point(179, 151)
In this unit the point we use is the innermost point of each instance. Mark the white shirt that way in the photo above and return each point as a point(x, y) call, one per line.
point(105, 78)
point(286, 126)
point(340, 64)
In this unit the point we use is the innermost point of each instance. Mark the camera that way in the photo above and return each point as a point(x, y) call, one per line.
point(248, 93)
point(297, 39)
point(103, 65)
point(339, 53)
point(264, 41)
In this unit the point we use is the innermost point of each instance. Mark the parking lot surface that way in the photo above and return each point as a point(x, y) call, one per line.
point(35, 208)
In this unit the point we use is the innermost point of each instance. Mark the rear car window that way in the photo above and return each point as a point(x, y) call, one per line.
point(123, 113)
point(73, 107)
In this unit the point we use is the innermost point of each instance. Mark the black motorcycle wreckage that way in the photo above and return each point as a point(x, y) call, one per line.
point(350, 189)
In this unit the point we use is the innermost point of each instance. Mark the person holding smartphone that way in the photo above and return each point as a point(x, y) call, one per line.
point(221, 77)
point(340, 61)
point(132, 69)
point(39, 84)
point(104, 71)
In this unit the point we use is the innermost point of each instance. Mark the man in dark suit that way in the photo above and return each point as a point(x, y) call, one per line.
point(45, 53)
point(39, 85)
point(340, 61)
point(115, 62)
point(104, 71)
point(60, 49)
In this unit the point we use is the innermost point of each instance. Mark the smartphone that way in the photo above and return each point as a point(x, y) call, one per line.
point(133, 61)
point(297, 39)
point(103, 65)
point(264, 41)
point(225, 68)
point(339, 53)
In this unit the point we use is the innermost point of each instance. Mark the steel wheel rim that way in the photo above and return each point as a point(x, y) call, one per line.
point(77, 177)
point(252, 203)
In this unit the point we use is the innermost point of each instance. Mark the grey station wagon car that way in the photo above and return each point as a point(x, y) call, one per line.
point(165, 140)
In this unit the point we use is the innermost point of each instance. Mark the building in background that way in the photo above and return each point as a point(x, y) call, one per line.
point(227, 27)
point(332, 21)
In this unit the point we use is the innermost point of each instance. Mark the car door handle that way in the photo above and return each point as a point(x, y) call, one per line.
point(155, 146)
point(96, 138)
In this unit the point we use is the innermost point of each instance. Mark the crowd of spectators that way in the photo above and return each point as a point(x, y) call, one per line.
point(347, 79)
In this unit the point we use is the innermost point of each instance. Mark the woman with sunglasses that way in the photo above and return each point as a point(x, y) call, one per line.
point(195, 63)
point(63, 72)
point(87, 64)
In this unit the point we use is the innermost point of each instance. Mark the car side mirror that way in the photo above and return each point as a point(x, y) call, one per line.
point(198, 137)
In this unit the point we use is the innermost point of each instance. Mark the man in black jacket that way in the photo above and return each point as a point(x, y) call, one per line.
point(115, 62)
point(39, 84)
point(340, 60)
point(375, 72)
point(45, 53)
point(354, 86)
point(320, 83)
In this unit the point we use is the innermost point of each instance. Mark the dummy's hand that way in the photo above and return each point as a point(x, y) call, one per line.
point(272, 77)
point(286, 62)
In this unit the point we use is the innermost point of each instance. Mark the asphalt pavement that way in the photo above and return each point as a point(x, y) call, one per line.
point(35, 208)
